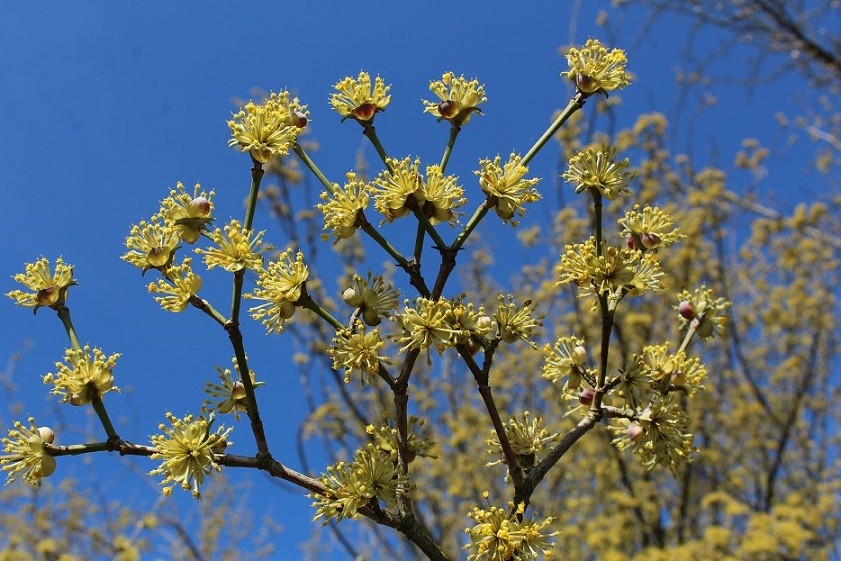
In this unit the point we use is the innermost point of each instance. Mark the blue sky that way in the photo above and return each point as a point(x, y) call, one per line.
point(106, 105)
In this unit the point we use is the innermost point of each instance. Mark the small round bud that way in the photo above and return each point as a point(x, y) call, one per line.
point(686, 310)
point(238, 391)
point(371, 317)
point(365, 112)
point(448, 109)
point(635, 432)
point(46, 435)
point(579, 353)
point(48, 465)
point(47, 296)
point(629, 240)
point(586, 395)
point(287, 309)
point(261, 155)
point(201, 206)
point(351, 298)
point(650, 241)
point(298, 119)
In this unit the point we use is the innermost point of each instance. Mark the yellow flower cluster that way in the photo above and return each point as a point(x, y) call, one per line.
point(359, 99)
point(596, 168)
point(527, 436)
point(517, 322)
point(187, 214)
point(47, 288)
point(236, 248)
point(594, 69)
point(500, 536)
point(374, 297)
point(702, 307)
point(459, 98)
point(228, 396)
point(350, 485)
point(440, 324)
point(418, 439)
point(269, 129)
point(565, 360)
point(280, 286)
point(188, 450)
point(152, 245)
point(179, 284)
point(357, 352)
point(402, 189)
point(25, 455)
point(342, 206)
point(649, 228)
point(505, 187)
point(84, 376)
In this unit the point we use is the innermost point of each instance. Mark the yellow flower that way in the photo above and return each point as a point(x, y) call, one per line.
point(418, 440)
point(237, 249)
point(649, 227)
point(664, 438)
point(459, 98)
point(357, 352)
point(152, 245)
point(25, 454)
point(358, 100)
point(395, 196)
point(228, 396)
point(565, 361)
point(374, 297)
point(440, 195)
point(188, 214)
point(595, 168)
point(351, 485)
point(188, 451)
point(179, 285)
point(516, 322)
point(593, 69)
point(527, 437)
point(341, 208)
point(268, 130)
point(281, 285)
point(428, 324)
point(83, 378)
point(500, 536)
point(48, 289)
point(702, 307)
point(506, 189)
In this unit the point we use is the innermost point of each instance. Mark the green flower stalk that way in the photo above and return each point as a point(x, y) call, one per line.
point(25, 455)
point(46, 288)
point(459, 98)
point(594, 69)
point(236, 249)
point(269, 129)
point(343, 206)
point(595, 168)
point(187, 214)
point(360, 100)
point(279, 286)
point(84, 377)
point(188, 450)
point(505, 187)
point(177, 288)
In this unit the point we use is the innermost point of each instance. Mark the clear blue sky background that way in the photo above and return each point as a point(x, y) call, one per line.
point(105, 105)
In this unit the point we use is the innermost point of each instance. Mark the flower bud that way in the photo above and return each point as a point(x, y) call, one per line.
point(635, 432)
point(586, 395)
point(298, 119)
point(579, 353)
point(364, 112)
point(48, 465)
point(351, 297)
point(201, 205)
point(371, 317)
point(686, 310)
point(46, 435)
point(238, 391)
point(447, 109)
point(629, 239)
point(650, 241)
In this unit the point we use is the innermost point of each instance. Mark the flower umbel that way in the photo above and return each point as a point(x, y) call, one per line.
point(351, 485)
point(428, 324)
point(648, 228)
point(84, 377)
point(357, 352)
point(374, 297)
point(357, 99)
point(25, 455)
point(594, 69)
point(498, 536)
point(517, 322)
point(565, 360)
point(229, 395)
point(704, 310)
point(188, 450)
point(396, 188)
point(527, 436)
point(48, 289)
point(664, 438)
point(418, 439)
point(188, 214)
point(236, 248)
point(280, 286)
point(152, 245)
point(459, 98)
point(178, 286)
point(506, 189)
point(595, 168)
point(268, 130)
point(341, 208)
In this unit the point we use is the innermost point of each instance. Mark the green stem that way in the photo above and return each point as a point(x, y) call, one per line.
point(597, 219)
point(377, 237)
point(369, 131)
point(477, 217)
point(205, 307)
point(64, 316)
point(419, 243)
point(430, 229)
point(454, 130)
point(576, 103)
point(311, 305)
point(256, 177)
point(99, 407)
point(693, 327)
point(314, 168)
